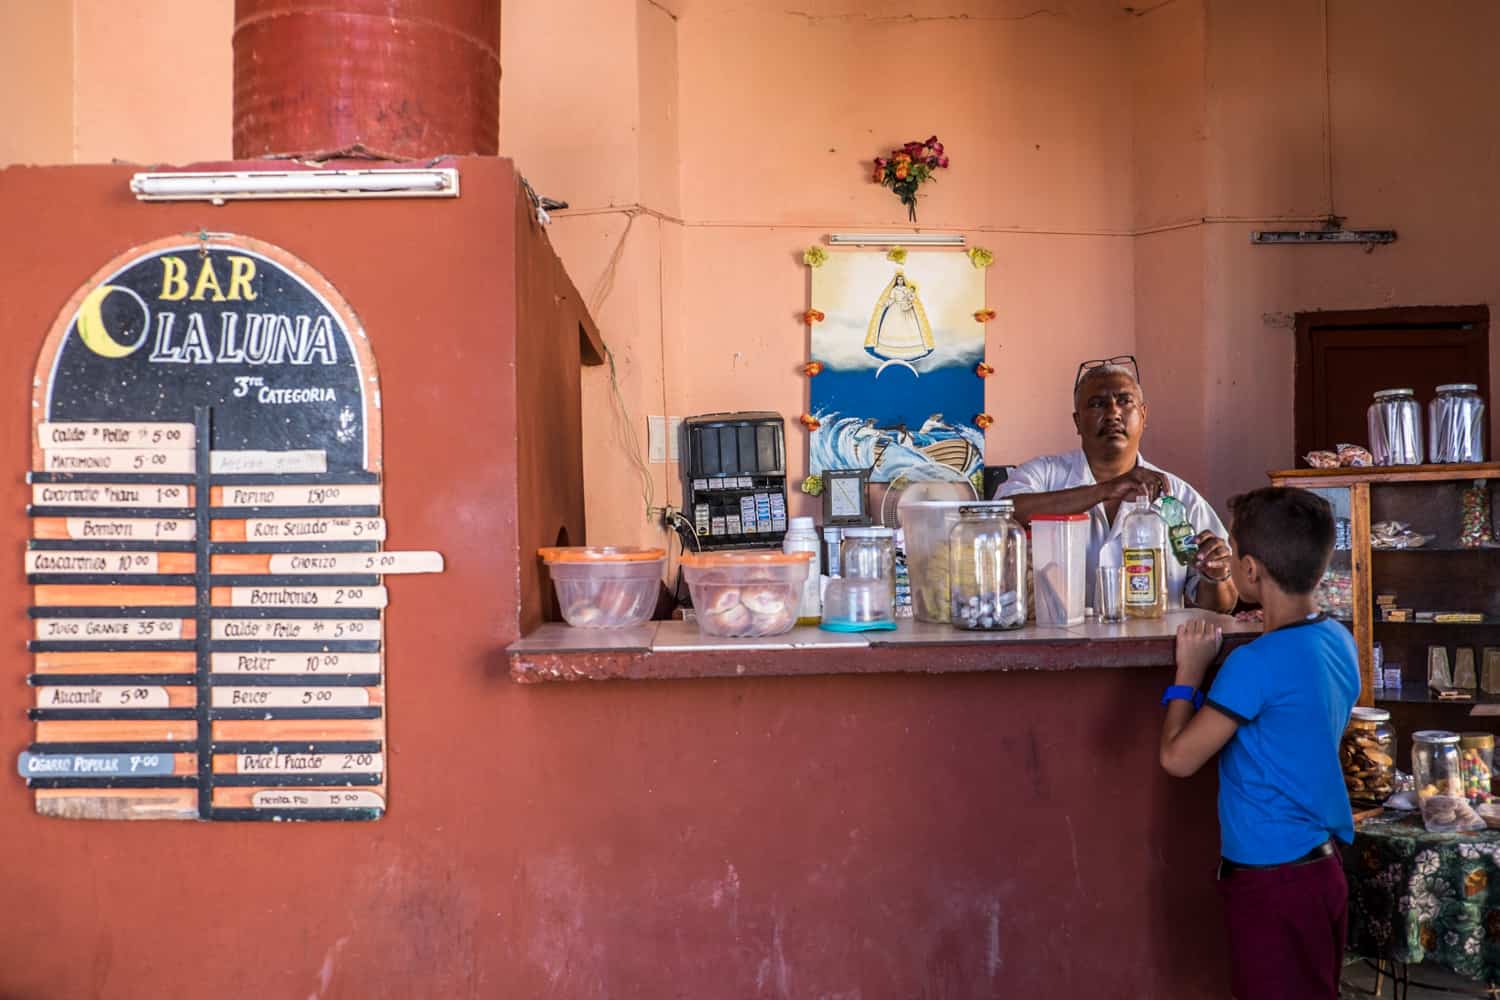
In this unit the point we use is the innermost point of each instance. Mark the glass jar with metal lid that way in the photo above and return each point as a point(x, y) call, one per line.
point(1367, 753)
point(1476, 758)
point(987, 568)
point(1394, 421)
point(1435, 763)
point(1455, 424)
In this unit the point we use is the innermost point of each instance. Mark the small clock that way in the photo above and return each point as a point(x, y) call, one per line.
point(845, 496)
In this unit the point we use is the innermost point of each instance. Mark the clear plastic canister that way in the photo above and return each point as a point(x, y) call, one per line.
point(1059, 553)
point(1367, 753)
point(927, 525)
point(1476, 755)
point(1394, 421)
point(987, 568)
point(869, 554)
point(1455, 424)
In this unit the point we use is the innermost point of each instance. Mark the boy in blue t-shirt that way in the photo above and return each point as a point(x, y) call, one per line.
point(1274, 716)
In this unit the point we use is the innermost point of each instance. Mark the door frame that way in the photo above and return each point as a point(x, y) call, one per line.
point(1304, 392)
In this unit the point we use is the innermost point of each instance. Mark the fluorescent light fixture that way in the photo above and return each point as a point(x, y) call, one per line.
point(896, 239)
point(223, 186)
point(1313, 236)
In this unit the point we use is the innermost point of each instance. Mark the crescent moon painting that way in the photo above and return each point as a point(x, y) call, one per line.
point(898, 345)
point(131, 318)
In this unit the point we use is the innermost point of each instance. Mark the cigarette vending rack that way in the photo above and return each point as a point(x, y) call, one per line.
point(734, 479)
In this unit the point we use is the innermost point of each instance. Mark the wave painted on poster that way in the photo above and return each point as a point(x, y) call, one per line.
point(936, 450)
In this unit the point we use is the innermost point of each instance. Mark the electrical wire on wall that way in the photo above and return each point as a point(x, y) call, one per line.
point(625, 427)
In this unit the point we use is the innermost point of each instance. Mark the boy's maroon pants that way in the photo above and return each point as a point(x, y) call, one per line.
point(1287, 928)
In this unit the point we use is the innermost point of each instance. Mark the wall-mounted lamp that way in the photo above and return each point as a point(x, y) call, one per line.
point(1304, 237)
point(896, 239)
point(220, 187)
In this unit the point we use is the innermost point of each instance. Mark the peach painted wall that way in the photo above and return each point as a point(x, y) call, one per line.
point(782, 113)
point(755, 130)
point(145, 81)
point(36, 60)
point(1114, 163)
point(1381, 113)
point(153, 80)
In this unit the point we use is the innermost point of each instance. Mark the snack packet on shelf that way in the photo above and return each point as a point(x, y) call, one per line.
point(1396, 535)
point(1354, 456)
point(1322, 459)
point(1476, 530)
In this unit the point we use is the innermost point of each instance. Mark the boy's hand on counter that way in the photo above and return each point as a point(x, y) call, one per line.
point(1198, 643)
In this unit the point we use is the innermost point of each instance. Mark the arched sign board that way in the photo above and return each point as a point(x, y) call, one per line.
point(206, 548)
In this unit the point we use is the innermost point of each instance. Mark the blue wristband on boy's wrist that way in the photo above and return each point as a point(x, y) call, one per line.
point(1181, 692)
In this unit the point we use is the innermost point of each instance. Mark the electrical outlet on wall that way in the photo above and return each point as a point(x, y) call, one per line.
point(656, 438)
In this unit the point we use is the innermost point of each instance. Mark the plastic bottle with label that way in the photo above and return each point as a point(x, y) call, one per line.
point(1144, 537)
point(802, 536)
point(1180, 533)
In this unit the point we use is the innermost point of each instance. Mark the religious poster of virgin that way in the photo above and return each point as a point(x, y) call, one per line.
point(898, 341)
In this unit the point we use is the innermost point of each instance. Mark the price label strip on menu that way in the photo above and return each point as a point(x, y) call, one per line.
point(206, 556)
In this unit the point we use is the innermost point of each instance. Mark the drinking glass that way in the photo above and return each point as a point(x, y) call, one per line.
point(1109, 594)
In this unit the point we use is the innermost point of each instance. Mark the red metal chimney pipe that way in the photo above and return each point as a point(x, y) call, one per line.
point(400, 79)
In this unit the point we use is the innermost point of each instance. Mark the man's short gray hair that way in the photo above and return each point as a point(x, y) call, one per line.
point(1104, 371)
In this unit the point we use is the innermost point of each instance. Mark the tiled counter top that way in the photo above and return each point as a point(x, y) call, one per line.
point(662, 650)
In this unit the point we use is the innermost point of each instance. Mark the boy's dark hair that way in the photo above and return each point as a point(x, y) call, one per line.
point(1289, 530)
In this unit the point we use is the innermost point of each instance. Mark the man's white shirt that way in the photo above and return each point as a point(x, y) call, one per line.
point(1050, 473)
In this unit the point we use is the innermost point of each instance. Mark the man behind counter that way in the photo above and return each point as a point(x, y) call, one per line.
point(1109, 412)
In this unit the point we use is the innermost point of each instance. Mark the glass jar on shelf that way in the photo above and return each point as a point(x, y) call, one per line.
point(1455, 424)
point(1367, 753)
point(1476, 757)
point(987, 568)
point(1438, 772)
point(1394, 421)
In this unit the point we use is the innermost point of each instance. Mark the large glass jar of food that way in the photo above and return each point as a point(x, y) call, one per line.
point(987, 568)
point(1476, 753)
point(1438, 772)
point(1368, 755)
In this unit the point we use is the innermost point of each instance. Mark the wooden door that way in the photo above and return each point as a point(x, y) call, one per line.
point(1344, 357)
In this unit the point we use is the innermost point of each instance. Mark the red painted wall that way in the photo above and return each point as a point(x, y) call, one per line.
point(901, 836)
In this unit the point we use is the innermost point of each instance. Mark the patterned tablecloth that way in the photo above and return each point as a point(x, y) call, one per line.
point(1416, 896)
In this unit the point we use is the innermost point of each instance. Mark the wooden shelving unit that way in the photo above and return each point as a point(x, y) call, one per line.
point(1439, 576)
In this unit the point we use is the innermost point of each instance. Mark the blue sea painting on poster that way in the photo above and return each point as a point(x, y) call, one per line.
point(899, 343)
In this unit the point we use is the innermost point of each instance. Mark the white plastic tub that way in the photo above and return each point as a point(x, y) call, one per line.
point(1059, 553)
point(604, 586)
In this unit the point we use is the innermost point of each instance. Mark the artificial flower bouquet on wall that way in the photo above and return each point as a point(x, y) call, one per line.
point(908, 168)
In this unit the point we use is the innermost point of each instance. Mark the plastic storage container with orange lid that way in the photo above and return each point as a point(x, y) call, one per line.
point(605, 586)
point(746, 593)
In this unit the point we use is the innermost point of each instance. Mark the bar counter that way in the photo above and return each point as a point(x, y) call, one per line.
point(995, 796)
point(665, 650)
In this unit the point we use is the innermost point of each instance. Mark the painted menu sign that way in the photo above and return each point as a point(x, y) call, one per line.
point(206, 555)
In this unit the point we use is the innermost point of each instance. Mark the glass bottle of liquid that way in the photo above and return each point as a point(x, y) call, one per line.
point(1144, 533)
point(1180, 533)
